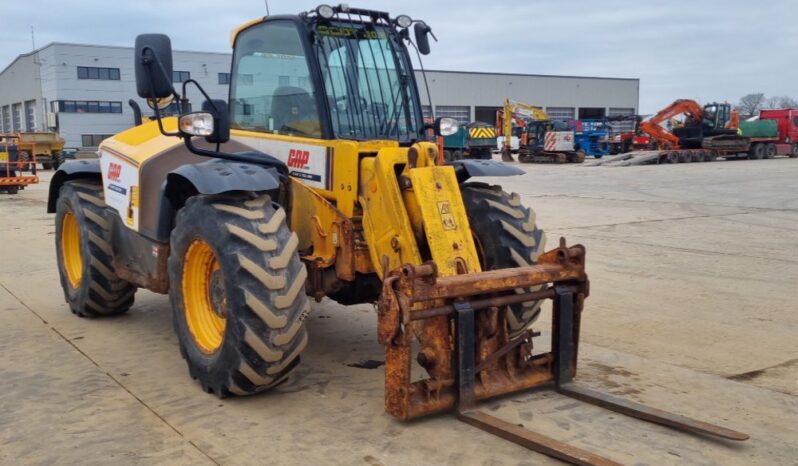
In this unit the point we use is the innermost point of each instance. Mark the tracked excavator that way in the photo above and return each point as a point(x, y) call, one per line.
point(542, 140)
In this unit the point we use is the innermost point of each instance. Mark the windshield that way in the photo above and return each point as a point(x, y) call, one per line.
point(368, 83)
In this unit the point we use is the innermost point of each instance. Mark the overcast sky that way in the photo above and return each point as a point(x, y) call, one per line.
point(700, 49)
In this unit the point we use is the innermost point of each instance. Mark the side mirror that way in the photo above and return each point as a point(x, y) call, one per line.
point(421, 31)
point(153, 66)
point(445, 126)
point(221, 124)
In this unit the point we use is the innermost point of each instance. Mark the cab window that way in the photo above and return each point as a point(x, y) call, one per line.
point(270, 87)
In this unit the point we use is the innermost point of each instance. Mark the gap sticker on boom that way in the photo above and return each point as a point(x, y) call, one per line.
point(306, 162)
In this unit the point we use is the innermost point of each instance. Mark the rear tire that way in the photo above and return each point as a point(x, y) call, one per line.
point(506, 236)
point(255, 288)
point(757, 152)
point(84, 253)
point(794, 152)
point(770, 151)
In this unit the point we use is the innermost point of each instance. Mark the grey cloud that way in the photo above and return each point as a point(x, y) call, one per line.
point(710, 50)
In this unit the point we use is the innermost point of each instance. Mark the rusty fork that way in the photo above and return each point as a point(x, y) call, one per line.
point(564, 350)
point(416, 294)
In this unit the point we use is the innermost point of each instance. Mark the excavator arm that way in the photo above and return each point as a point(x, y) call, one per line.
point(511, 110)
point(690, 108)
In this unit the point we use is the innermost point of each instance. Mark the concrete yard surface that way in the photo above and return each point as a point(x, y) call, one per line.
point(693, 271)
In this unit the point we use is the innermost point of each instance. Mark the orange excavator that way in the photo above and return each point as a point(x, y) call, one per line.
point(713, 127)
point(707, 133)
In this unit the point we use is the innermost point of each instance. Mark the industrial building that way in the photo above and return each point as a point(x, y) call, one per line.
point(81, 91)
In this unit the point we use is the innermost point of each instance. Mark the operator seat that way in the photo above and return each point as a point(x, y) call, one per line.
point(294, 108)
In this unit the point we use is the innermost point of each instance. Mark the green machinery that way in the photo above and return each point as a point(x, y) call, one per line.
point(476, 140)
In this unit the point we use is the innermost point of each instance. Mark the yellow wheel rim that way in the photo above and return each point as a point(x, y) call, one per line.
point(70, 249)
point(204, 300)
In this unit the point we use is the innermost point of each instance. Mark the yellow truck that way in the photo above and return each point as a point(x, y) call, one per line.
point(45, 147)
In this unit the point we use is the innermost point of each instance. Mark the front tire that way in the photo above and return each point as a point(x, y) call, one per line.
point(83, 246)
point(506, 236)
point(237, 289)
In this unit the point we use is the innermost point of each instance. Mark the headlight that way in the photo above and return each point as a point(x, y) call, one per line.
point(447, 126)
point(325, 11)
point(403, 21)
point(196, 124)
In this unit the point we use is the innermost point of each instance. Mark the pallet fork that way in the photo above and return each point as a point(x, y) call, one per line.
point(483, 361)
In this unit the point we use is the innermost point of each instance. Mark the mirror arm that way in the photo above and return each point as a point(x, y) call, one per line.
point(204, 94)
point(207, 99)
point(245, 158)
point(158, 112)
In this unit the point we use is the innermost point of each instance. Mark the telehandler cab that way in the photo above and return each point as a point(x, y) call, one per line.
point(316, 179)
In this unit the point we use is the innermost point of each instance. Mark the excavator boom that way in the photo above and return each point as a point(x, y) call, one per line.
point(653, 126)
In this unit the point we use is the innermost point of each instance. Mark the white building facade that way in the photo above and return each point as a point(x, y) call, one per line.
point(82, 91)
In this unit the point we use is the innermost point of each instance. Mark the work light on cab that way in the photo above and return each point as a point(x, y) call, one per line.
point(197, 124)
point(325, 11)
point(403, 21)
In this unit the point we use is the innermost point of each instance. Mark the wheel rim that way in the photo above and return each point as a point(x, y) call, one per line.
point(70, 249)
point(204, 300)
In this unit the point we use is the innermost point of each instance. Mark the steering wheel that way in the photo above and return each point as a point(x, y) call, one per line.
point(343, 103)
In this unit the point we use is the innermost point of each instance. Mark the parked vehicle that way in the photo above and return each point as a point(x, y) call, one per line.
point(775, 133)
point(592, 137)
point(240, 224)
point(475, 140)
point(541, 139)
point(12, 165)
point(46, 147)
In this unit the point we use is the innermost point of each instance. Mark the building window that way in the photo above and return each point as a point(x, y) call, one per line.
point(89, 106)
point(93, 140)
point(180, 76)
point(283, 81)
point(458, 112)
point(561, 113)
point(30, 112)
point(6, 118)
point(16, 114)
point(224, 78)
point(93, 72)
point(245, 79)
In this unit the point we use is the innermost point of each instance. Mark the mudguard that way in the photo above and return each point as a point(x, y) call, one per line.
point(71, 170)
point(218, 176)
point(469, 168)
point(215, 176)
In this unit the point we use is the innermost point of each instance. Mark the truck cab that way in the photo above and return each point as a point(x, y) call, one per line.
point(787, 121)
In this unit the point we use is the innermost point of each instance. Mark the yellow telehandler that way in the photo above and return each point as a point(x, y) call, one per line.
point(316, 179)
